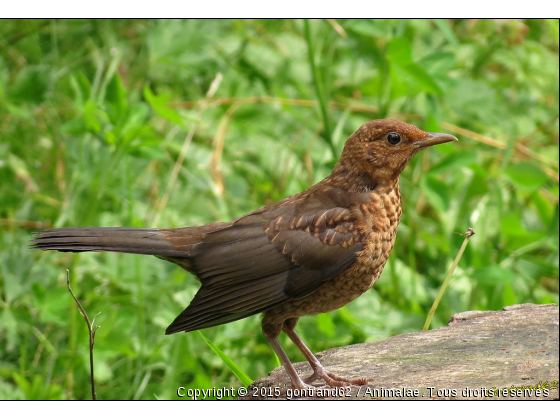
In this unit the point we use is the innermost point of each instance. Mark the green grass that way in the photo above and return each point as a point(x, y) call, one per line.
point(95, 116)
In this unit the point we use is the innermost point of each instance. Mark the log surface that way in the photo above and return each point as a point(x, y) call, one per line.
point(476, 355)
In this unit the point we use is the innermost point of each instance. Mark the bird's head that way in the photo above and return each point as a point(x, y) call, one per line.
point(382, 148)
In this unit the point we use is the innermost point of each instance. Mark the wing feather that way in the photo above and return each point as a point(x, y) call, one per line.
point(272, 255)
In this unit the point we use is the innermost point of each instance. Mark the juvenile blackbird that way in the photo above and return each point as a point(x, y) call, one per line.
point(310, 253)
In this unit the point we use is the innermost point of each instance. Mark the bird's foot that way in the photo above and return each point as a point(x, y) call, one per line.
point(304, 385)
point(319, 372)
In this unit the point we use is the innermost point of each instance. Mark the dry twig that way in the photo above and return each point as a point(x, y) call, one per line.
point(92, 328)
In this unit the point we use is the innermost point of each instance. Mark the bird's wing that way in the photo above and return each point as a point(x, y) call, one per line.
point(267, 257)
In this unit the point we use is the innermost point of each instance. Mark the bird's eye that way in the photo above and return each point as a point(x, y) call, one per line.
point(393, 138)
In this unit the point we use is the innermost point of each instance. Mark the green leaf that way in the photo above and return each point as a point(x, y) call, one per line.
point(545, 207)
point(526, 174)
point(325, 324)
point(447, 32)
point(437, 193)
point(454, 161)
point(237, 371)
point(493, 275)
point(553, 226)
point(438, 63)
point(510, 224)
point(399, 87)
point(367, 27)
point(31, 85)
point(53, 305)
point(91, 116)
point(116, 97)
point(159, 104)
point(37, 387)
point(423, 78)
point(10, 327)
point(509, 296)
point(399, 51)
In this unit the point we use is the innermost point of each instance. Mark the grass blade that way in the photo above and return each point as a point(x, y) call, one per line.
point(237, 371)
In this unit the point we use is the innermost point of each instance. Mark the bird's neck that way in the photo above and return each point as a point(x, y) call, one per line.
point(371, 181)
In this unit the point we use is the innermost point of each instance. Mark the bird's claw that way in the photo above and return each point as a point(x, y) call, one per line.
point(332, 379)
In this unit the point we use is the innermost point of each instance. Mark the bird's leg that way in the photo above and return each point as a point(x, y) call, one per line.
point(319, 372)
point(271, 334)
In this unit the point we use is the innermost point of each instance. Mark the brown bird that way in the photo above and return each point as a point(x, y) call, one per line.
point(308, 254)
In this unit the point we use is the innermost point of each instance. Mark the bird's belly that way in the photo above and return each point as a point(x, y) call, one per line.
point(336, 293)
point(345, 288)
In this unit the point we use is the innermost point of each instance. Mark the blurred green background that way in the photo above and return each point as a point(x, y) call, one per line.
point(175, 123)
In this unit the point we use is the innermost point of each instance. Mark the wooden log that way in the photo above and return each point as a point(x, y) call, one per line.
point(510, 354)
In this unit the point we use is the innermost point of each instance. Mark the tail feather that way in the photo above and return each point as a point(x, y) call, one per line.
point(127, 240)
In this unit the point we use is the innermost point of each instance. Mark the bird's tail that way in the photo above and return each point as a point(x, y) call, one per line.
point(127, 240)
